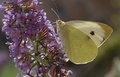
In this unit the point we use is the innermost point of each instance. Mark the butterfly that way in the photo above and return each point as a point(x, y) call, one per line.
point(81, 39)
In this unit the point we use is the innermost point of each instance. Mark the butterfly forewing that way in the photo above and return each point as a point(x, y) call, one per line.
point(98, 32)
point(78, 46)
point(108, 30)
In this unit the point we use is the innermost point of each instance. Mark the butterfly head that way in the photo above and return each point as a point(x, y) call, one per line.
point(60, 25)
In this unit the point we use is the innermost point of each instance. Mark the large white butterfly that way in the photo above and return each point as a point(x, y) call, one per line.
point(81, 39)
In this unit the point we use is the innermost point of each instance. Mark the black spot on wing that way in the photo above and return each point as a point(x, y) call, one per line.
point(92, 33)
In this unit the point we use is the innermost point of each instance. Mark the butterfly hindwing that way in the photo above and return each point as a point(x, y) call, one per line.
point(78, 46)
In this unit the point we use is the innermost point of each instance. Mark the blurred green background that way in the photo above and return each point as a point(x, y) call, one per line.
point(107, 63)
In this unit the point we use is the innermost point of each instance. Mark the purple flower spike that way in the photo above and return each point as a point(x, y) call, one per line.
point(35, 48)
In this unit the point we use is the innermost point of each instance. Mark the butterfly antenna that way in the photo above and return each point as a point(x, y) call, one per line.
point(55, 13)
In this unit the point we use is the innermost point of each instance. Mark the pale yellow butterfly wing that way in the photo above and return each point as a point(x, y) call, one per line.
point(78, 46)
point(100, 31)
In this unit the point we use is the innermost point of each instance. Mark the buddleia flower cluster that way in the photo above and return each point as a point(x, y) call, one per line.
point(33, 44)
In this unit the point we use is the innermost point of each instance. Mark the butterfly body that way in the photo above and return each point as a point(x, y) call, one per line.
point(81, 39)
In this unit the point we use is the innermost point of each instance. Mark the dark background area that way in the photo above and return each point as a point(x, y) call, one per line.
point(107, 63)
